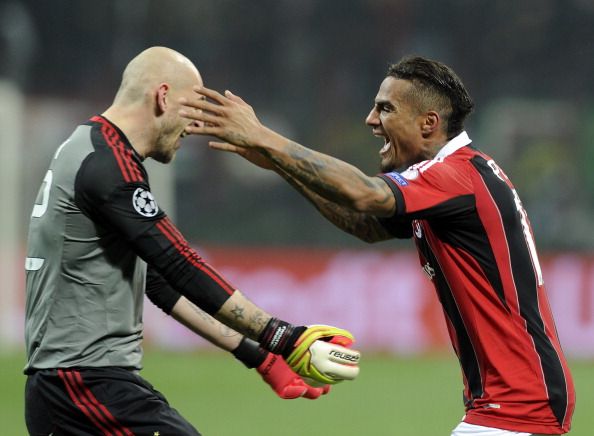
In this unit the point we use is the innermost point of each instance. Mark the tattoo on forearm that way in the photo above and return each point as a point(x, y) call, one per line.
point(227, 331)
point(205, 316)
point(323, 174)
point(237, 312)
point(257, 323)
point(366, 227)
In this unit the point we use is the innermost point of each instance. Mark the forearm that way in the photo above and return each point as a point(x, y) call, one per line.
point(240, 314)
point(364, 226)
point(200, 322)
point(332, 179)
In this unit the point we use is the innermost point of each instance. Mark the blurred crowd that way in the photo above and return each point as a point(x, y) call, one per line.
point(311, 70)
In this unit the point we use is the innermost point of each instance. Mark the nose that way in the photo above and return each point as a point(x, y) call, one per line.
point(372, 119)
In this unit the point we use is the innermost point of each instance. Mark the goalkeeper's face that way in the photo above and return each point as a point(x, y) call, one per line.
point(171, 127)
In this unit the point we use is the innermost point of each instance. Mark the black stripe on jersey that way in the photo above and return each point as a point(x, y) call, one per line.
point(466, 353)
point(465, 231)
point(526, 287)
point(400, 208)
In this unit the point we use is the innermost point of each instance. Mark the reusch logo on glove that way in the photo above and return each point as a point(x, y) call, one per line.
point(345, 356)
point(277, 337)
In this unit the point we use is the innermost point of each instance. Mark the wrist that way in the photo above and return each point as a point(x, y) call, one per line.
point(269, 141)
point(279, 337)
point(250, 353)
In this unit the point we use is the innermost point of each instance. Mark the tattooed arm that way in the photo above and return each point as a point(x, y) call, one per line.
point(200, 322)
point(229, 118)
point(240, 314)
point(332, 179)
point(362, 225)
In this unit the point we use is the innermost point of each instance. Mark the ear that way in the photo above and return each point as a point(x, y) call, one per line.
point(162, 98)
point(430, 123)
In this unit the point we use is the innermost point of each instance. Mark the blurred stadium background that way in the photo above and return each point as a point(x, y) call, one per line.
point(311, 70)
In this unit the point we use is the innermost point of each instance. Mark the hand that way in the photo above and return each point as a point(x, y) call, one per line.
point(227, 117)
point(321, 353)
point(287, 385)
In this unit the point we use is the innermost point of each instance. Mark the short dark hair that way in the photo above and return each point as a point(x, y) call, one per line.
point(436, 85)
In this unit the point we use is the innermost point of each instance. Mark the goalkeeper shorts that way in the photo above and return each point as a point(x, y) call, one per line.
point(98, 401)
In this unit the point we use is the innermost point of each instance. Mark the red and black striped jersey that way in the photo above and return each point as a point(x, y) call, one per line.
point(476, 245)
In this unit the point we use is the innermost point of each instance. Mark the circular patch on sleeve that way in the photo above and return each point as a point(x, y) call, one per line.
point(144, 203)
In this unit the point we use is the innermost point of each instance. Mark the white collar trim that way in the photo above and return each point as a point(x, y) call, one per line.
point(454, 145)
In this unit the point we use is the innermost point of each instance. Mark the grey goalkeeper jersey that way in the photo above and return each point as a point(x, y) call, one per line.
point(94, 227)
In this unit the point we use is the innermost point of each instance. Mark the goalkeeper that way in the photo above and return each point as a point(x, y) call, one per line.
point(94, 228)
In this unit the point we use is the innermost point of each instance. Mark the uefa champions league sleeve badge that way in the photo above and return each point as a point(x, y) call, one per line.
point(144, 203)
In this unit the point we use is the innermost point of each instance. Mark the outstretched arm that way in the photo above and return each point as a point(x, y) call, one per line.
point(229, 118)
point(273, 369)
point(364, 226)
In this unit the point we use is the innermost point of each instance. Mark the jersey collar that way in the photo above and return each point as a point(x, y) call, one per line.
point(454, 145)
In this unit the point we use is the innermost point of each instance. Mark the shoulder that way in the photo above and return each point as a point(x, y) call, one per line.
point(443, 173)
point(105, 171)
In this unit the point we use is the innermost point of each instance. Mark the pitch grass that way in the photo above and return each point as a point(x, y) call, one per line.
point(393, 396)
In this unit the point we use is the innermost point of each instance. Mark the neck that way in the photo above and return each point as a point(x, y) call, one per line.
point(432, 146)
point(135, 126)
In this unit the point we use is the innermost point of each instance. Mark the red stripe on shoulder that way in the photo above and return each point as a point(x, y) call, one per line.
point(124, 157)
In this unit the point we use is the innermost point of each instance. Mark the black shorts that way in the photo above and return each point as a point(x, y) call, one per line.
point(98, 401)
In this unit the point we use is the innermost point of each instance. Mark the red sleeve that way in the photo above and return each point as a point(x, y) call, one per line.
point(431, 188)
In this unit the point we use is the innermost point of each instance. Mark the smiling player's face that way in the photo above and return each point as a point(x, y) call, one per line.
point(172, 128)
point(394, 119)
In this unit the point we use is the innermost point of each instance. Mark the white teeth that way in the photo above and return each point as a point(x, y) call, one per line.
point(386, 147)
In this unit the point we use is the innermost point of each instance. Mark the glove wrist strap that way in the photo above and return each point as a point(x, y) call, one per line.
point(250, 353)
point(279, 337)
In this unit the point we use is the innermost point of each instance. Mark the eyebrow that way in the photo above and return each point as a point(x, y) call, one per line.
point(384, 103)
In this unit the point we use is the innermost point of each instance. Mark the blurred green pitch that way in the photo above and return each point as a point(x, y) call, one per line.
point(392, 396)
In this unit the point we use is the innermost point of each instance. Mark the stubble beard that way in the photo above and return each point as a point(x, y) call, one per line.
point(163, 153)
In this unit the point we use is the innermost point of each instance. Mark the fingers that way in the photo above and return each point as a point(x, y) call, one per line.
point(341, 340)
point(292, 391)
point(210, 93)
point(234, 97)
point(225, 146)
point(313, 393)
point(195, 107)
point(204, 118)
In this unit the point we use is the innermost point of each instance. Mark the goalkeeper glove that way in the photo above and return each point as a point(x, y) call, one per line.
point(318, 352)
point(276, 373)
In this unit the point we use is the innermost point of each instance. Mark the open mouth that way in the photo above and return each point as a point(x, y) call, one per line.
point(386, 147)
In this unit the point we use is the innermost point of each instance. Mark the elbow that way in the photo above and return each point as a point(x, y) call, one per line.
point(370, 204)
